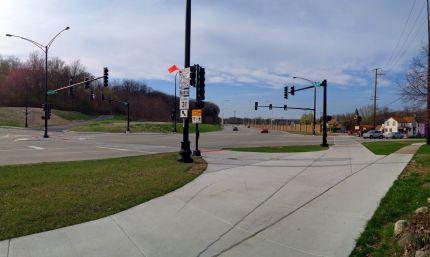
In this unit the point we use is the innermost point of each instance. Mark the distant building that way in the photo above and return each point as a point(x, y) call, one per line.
point(406, 125)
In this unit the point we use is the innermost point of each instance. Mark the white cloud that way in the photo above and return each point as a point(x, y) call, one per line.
point(239, 41)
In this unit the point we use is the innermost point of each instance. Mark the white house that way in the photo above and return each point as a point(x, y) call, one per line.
point(406, 125)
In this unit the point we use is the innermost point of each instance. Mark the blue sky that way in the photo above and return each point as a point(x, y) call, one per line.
point(250, 48)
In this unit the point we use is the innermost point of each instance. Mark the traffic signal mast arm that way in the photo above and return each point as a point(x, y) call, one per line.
point(54, 91)
point(285, 107)
point(300, 89)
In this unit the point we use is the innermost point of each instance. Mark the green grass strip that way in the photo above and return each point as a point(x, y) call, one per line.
point(388, 147)
point(119, 126)
point(408, 192)
point(46, 196)
point(281, 149)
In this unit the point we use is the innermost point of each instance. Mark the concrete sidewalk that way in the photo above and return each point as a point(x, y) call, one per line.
point(246, 204)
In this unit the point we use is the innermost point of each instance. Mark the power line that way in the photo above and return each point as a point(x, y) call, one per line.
point(401, 34)
point(405, 46)
point(418, 32)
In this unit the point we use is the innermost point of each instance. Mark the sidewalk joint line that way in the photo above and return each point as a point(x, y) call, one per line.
point(294, 211)
point(128, 236)
point(259, 205)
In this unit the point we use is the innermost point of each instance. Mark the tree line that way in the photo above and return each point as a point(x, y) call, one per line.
point(22, 84)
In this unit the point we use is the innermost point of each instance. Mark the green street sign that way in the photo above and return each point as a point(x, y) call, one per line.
point(317, 84)
point(52, 92)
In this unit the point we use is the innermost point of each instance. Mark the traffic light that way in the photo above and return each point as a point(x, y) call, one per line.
point(110, 100)
point(324, 83)
point(270, 106)
point(286, 92)
point(92, 95)
point(105, 77)
point(47, 111)
point(200, 83)
point(193, 75)
point(293, 90)
point(285, 107)
point(103, 97)
point(256, 105)
point(87, 83)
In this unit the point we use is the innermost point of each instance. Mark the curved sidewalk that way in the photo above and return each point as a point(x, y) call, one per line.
point(245, 204)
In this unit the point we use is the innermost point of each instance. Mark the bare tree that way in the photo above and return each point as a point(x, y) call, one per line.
point(414, 91)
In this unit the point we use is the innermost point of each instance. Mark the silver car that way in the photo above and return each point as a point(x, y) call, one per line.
point(373, 134)
point(393, 135)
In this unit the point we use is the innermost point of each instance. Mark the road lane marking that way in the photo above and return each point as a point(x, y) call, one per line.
point(118, 149)
point(36, 147)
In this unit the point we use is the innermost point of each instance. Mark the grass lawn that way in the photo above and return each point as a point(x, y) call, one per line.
point(281, 149)
point(118, 125)
point(408, 192)
point(71, 115)
point(46, 196)
point(388, 147)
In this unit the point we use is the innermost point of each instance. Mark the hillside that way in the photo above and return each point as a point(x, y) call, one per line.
point(15, 117)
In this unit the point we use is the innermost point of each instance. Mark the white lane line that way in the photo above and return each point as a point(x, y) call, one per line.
point(36, 147)
point(22, 139)
point(118, 149)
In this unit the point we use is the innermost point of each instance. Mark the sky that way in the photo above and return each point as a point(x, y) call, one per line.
point(251, 49)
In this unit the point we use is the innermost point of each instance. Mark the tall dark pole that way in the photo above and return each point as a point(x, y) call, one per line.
point(26, 115)
point(324, 142)
point(197, 152)
point(185, 151)
point(128, 116)
point(46, 93)
point(315, 109)
point(428, 76)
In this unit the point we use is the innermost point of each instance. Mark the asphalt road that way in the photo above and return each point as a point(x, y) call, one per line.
point(20, 146)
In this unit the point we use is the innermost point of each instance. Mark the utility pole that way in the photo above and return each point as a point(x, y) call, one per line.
point(185, 152)
point(428, 77)
point(374, 96)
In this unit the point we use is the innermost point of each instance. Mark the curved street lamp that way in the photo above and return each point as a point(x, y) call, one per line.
point(315, 101)
point(45, 49)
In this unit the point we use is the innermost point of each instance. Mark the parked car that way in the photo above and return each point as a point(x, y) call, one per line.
point(373, 134)
point(393, 135)
point(235, 128)
point(265, 131)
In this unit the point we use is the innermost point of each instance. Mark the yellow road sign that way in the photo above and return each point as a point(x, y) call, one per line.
point(196, 112)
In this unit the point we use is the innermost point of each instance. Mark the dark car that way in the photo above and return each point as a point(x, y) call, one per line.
point(235, 128)
point(265, 131)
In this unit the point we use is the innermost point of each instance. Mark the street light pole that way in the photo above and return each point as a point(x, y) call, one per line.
point(45, 49)
point(315, 102)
